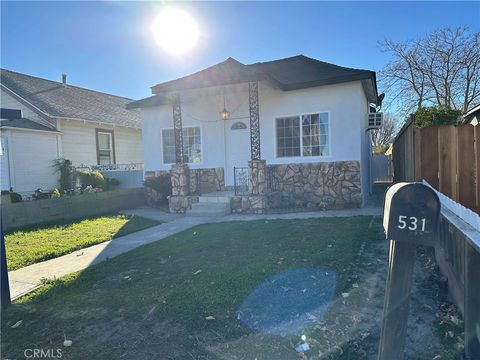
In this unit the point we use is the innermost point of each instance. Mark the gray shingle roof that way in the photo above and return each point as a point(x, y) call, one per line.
point(58, 100)
point(297, 72)
point(300, 72)
point(25, 124)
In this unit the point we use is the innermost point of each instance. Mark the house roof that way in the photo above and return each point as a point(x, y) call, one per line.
point(471, 113)
point(227, 72)
point(297, 72)
point(25, 124)
point(57, 100)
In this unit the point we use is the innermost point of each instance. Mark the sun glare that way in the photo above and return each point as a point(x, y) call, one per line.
point(175, 31)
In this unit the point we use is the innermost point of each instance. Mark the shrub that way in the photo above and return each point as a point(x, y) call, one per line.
point(435, 116)
point(56, 194)
point(64, 167)
point(91, 178)
point(162, 184)
point(110, 184)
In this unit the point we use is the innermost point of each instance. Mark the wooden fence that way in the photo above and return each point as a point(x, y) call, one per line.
point(457, 253)
point(448, 157)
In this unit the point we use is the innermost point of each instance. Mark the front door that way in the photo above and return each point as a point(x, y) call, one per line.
point(237, 139)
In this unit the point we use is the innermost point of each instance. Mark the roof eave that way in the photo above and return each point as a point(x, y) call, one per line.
point(336, 80)
point(28, 129)
point(27, 103)
point(152, 101)
point(175, 87)
point(96, 122)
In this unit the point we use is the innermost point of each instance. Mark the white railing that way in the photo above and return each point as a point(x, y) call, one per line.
point(129, 175)
point(111, 167)
point(467, 215)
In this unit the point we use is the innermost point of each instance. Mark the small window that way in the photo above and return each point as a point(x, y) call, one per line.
point(191, 145)
point(303, 135)
point(239, 125)
point(105, 147)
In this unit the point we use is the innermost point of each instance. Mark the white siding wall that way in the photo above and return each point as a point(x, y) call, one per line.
point(79, 143)
point(366, 157)
point(31, 154)
point(4, 169)
point(9, 102)
point(345, 102)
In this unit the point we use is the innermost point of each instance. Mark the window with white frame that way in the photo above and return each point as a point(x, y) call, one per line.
point(105, 147)
point(303, 135)
point(192, 152)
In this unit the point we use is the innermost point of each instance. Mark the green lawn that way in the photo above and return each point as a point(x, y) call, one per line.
point(177, 298)
point(35, 244)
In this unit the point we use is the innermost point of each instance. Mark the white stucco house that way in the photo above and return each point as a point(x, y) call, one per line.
point(59, 120)
point(295, 127)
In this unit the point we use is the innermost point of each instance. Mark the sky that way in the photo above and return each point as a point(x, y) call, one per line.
point(108, 46)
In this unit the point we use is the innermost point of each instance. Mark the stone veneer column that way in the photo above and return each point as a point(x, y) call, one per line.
point(257, 182)
point(180, 182)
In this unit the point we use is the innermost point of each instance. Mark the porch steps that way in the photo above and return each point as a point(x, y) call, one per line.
point(214, 199)
point(209, 208)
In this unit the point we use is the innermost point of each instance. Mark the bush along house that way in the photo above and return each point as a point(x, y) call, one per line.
point(288, 133)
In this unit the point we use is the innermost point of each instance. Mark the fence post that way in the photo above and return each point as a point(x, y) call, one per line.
point(397, 300)
point(410, 218)
point(447, 151)
point(465, 166)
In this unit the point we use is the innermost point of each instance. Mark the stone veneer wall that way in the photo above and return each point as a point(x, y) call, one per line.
point(248, 204)
point(180, 175)
point(257, 177)
point(209, 179)
point(326, 185)
point(180, 204)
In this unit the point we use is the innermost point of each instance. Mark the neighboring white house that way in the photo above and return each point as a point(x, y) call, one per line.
point(59, 120)
point(305, 118)
point(472, 116)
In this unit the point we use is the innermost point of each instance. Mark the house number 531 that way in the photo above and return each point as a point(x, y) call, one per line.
point(411, 223)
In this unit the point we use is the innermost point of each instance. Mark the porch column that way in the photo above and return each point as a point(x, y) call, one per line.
point(257, 168)
point(254, 120)
point(180, 172)
point(257, 177)
point(179, 175)
point(177, 128)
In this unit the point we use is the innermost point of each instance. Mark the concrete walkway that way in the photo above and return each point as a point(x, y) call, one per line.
point(27, 279)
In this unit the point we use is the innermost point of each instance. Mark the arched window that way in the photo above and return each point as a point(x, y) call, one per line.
point(239, 125)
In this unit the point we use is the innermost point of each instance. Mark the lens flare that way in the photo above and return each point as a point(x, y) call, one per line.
point(175, 31)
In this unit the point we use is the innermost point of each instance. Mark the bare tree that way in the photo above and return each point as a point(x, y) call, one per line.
point(441, 69)
point(385, 135)
point(403, 76)
point(471, 72)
